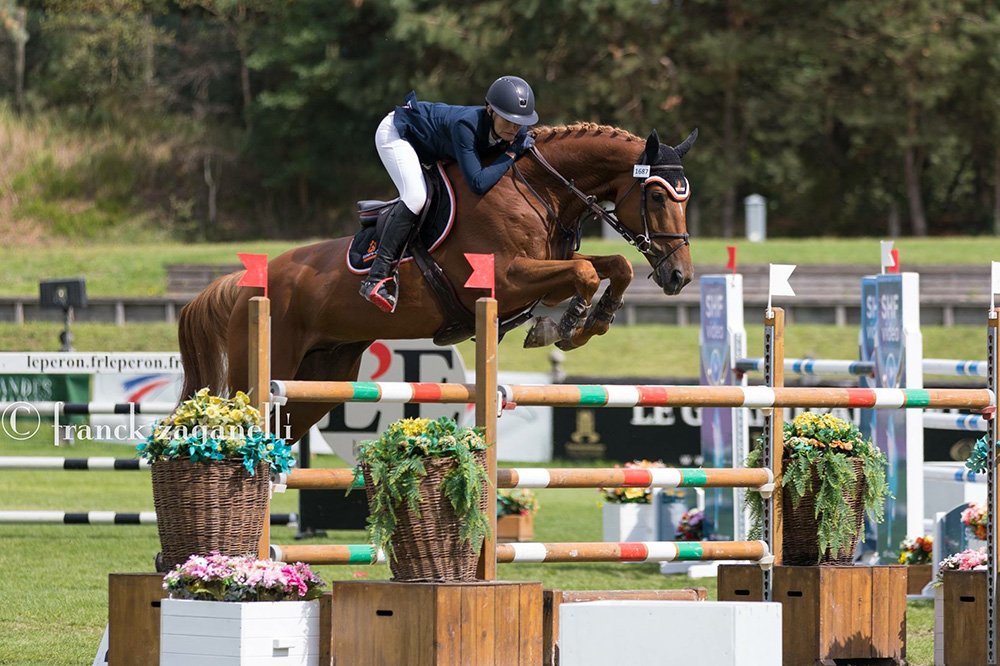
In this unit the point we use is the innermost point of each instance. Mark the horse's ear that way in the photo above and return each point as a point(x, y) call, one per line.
point(652, 148)
point(687, 143)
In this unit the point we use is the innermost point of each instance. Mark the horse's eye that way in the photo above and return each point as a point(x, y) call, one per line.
point(658, 197)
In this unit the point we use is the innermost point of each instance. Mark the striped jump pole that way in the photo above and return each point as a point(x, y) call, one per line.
point(811, 366)
point(959, 475)
point(598, 395)
point(646, 551)
point(105, 518)
point(328, 554)
point(532, 477)
point(955, 368)
point(78, 464)
point(89, 408)
point(551, 553)
point(944, 421)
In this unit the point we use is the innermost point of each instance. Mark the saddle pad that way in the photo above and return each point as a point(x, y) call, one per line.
point(437, 223)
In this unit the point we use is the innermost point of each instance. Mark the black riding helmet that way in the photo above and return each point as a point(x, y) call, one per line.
point(511, 98)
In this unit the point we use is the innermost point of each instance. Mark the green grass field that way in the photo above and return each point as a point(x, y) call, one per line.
point(626, 351)
point(139, 269)
point(53, 592)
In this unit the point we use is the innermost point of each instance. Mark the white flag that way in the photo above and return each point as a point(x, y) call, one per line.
point(887, 260)
point(779, 280)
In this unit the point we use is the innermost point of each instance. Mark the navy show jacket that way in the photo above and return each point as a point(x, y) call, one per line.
point(443, 131)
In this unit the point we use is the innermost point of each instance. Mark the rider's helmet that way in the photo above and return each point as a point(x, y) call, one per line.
point(511, 98)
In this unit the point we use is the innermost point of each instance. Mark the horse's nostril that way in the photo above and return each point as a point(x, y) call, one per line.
point(677, 278)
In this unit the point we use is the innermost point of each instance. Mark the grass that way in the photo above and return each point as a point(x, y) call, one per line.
point(124, 268)
point(626, 351)
point(53, 597)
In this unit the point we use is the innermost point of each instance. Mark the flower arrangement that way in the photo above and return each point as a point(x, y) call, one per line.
point(829, 445)
point(209, 427)
point(631, 495)
point(978, 458)
point(975, 518)
point(222, 578)
point(396, 463)
point(517, 502)
point(967, 560)
point(691, 526)
point(916, 551)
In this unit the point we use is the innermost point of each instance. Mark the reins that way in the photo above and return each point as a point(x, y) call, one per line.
point(643, 241)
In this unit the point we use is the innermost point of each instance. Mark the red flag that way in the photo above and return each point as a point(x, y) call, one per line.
point(732, 258)
point(256, 275)
point(895, 262)
point(482, 272)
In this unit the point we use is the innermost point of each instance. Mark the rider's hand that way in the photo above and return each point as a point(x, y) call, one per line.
point(522, 145)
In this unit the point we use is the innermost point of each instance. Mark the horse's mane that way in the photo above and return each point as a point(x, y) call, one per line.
point(577, 129)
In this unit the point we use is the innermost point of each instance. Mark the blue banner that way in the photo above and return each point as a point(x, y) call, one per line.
point(716, 424)
point(890, 429)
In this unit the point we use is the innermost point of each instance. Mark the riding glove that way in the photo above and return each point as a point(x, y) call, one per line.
point(523, 145)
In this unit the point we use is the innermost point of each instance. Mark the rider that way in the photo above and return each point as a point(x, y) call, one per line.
point(424, 133)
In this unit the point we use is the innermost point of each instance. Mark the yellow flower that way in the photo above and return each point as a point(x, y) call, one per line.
point(413, 427)
point(237, 415)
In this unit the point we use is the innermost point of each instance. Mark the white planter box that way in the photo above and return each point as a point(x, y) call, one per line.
point(253, 633)
point(720, 633)
point(630, 522)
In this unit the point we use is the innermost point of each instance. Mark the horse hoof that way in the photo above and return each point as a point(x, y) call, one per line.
point(542, 334)
point(566, 345)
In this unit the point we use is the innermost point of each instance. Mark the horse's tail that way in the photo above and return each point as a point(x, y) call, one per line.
point(201, 331)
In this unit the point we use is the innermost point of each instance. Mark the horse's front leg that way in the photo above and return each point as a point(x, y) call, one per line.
point(618, 270)
point(551, 282)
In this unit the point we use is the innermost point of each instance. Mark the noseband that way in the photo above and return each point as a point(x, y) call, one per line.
point(642, 242)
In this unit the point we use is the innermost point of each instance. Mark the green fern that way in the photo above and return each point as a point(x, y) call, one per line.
point(396, 464)
point(829, 444)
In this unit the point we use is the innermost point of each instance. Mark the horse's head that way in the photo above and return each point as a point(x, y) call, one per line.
point(660, 216)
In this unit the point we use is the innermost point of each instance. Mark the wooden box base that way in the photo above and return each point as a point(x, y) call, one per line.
point(134, 618)
point(965, 604)
point(830, 612)
point(917, 577)
point(515, 528)
point(553, 599)
point(384, 623)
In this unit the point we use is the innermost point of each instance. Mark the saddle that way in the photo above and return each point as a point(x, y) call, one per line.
point(435, 223)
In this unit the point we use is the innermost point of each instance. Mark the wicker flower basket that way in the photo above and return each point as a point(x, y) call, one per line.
point(800, 540)
point(201, 507)
point(428, 548)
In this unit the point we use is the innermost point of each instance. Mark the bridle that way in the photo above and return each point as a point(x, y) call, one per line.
point(645, 175)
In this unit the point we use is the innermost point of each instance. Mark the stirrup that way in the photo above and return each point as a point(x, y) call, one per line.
point(370, 292)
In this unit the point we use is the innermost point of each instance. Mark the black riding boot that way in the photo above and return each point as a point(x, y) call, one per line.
point(375, 287)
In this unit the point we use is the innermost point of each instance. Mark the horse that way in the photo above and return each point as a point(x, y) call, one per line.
point(321, 326)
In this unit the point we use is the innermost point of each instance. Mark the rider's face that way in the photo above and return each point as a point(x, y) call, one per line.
point(504, 129)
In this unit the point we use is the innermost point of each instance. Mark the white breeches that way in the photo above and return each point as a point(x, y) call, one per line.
point(403, 165)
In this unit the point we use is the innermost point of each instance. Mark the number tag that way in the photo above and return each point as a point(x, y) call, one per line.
point(640, 171)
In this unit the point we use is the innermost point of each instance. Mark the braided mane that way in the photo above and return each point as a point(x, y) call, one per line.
point(577, 129)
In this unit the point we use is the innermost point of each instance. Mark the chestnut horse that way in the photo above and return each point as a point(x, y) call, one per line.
point(321, 326)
